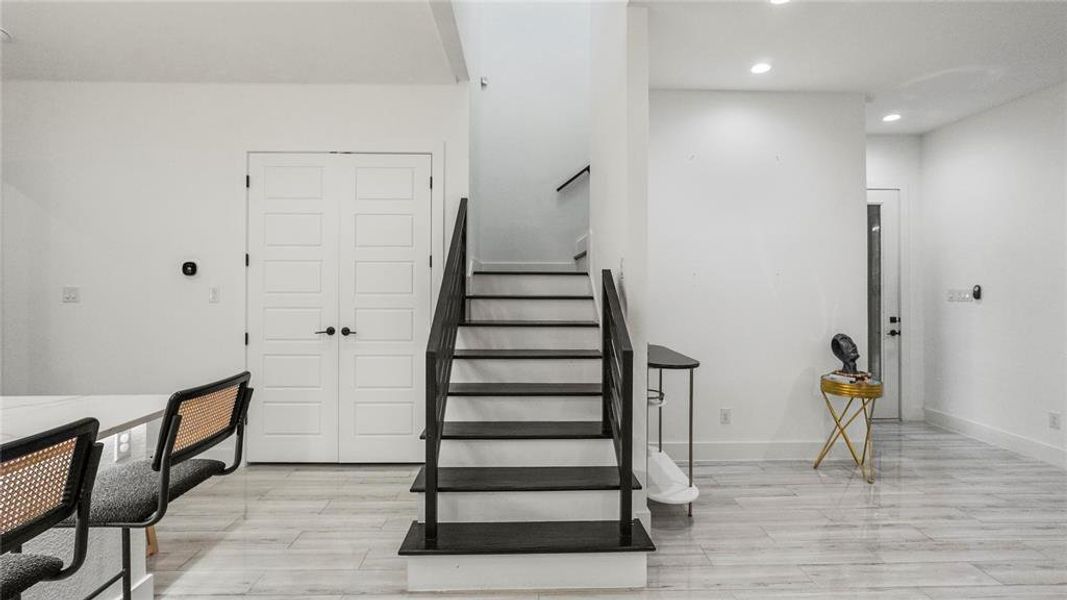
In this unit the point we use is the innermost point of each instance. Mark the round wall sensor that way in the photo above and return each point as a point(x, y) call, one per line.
point(189, 268)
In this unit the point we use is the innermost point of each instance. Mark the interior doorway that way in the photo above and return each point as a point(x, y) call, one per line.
point(339, 305)
point(884, 319)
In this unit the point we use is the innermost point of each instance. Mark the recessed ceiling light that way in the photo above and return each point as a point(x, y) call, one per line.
point(891, 117)
point(779, 1)
point(760, 68)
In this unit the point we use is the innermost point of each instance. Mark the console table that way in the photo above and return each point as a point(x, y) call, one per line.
point(666, 483)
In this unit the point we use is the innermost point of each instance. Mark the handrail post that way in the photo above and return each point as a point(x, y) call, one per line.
point(605, 358)
point(463, 274)
point(618, 353)
point(430, 497)
point(627, 458)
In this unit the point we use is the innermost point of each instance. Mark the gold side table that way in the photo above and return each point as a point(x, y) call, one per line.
point(864, 390)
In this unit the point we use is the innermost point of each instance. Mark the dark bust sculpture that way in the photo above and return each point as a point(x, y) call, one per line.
point(846, 351)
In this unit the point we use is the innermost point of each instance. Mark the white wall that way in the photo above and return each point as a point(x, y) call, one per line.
point(110, 186)
point(618, 182)
point(895, 162)
point(1, 212)
point(529, 129)
point(993, 213)
point(757, 257)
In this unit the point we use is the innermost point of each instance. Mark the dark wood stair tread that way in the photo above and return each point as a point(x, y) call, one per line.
point(520, 353)
point(523, 430)
point(523, 479)
point(524, 389)
point(528, 323)
point(529, 297)
point(513, 272)
point(531, 537)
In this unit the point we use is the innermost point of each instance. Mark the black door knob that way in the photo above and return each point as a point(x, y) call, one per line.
point(327, 331)
point(346, 331)
point(893, 333)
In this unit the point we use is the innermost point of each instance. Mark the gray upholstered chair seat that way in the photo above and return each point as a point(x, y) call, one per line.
point(20, 571)
point(130, 493)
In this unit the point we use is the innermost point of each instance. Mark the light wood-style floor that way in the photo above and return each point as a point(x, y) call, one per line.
point(949, 518)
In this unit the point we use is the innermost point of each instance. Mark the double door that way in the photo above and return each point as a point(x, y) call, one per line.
point(339, 293)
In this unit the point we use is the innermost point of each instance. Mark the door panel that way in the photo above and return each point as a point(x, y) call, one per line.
point(292, 293)
point(339, 240)
point(385, 295)
point(888, 407)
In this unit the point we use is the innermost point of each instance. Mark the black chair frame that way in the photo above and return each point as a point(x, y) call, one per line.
point(166, 457)
point(77, 495)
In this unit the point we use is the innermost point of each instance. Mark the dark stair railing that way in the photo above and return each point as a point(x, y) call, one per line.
point(584, 170)
point(618, 404)
point(440, 348)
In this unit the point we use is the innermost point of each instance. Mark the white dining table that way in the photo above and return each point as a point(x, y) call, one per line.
point(22, 416)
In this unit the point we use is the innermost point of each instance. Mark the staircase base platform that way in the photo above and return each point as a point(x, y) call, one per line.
point(525, 572)
point(526, 556)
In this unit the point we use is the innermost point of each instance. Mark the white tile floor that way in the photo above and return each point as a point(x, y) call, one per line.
point(949, 518)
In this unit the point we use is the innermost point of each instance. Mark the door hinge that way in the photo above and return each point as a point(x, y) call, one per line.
point(248, 259)
point(248, 181)
point(431, 261)
point(431, 182)
point(246, 338)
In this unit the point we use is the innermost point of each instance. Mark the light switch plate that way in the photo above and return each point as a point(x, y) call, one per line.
point(213, 295)
point(960, 296)
point(71, 295)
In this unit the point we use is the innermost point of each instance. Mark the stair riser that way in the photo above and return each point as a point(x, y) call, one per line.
point(527, 571)
point(527, 453)
point(479, 507)
point(533, 310)
point(526, 371)
point(520, 408)
point(538, 338)
point(528, 284)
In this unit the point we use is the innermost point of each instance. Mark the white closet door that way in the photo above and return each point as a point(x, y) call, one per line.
point(292, 293)
point(385, 296)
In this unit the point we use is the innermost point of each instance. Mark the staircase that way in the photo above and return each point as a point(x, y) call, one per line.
point(528, 479)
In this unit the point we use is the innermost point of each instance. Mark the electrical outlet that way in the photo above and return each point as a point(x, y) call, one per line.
point(1055, 420)
point(726, 416)
point(71, 295)
point(122, 446)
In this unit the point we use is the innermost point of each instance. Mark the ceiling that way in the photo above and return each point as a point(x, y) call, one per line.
point(235, 41)
point(932, 62)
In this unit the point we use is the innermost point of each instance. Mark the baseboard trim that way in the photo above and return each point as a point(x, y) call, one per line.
point(998, 437)
point(710, 452)
point(144, 589)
